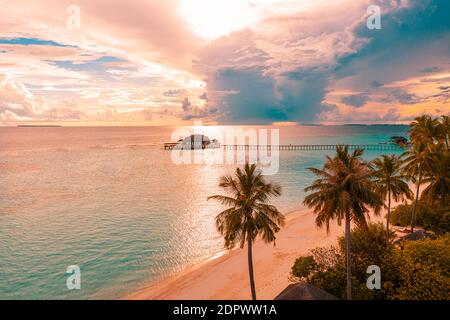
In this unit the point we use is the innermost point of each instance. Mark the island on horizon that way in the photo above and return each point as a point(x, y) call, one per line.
point(38, 126)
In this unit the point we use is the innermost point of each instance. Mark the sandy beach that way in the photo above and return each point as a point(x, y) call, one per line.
point(226, 277)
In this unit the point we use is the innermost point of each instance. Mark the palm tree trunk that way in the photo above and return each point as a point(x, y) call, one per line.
point(388, 215)
point(347, 256)
point(250, 270)
point(413, 214)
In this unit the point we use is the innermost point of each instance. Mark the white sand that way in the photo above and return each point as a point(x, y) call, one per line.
point(226, 277)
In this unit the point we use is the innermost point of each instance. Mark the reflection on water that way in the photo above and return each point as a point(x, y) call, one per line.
point(111, 201)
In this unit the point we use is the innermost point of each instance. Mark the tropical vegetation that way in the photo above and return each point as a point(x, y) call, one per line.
point(343, 191)
point(390, 182)
point(347, 187)
point(249, 213)
point(419, 271)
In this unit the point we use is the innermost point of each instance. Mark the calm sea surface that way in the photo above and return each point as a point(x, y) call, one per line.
point(112, 201)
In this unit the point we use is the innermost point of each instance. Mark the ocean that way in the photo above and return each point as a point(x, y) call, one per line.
point(112, 201)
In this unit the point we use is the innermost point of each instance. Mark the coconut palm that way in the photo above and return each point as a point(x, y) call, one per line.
point(343, 191)
point(249, 214)
point(424, 129)
point(444, 131)
point(437, 177)
point(415, 163)
point(390, 182)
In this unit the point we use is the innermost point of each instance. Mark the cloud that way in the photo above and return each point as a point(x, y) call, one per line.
point(399, 64)
point(411, 36)
point(357, 100)
point(297, 61)
point(376, 84)
point(151, 29)
point(431, 69)
point(18, 103)
point(289, 69)
point(250, 85)
point(404, 97)
point(186, 104)
point(32, 41)
point(15, 100)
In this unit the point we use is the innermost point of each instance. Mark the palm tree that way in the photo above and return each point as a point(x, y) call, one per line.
point(249, 215)
point(415, 164)
point(390, 182)
point(444, 131)
point(424, 129)
point(437, 177)
point(343, 190)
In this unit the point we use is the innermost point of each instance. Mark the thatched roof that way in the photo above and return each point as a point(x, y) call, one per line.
point(304, 291)
point(416, 235)
point(196, 138)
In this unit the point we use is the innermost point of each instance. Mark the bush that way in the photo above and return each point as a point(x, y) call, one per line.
point(303, 267)
point(424, 270)
point(420, 271)
point(332, 281)
point(369, 247)
point(430, 218)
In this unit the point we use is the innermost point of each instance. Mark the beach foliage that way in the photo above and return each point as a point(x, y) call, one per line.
point(437, 178)
point(343, 191)
point(249, 214)
point(346, 190)
point(427, 161)
point(368, 248)
point(303, 267)
point(420, 271)
point(390, 182)
point(424, 270)
point(431, 218)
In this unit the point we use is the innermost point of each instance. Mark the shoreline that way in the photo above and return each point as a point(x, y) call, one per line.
point(225, 277)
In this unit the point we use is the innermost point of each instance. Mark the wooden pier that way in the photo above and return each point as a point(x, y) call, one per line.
point(283, 147)
point(191, 146)
point(307, 147)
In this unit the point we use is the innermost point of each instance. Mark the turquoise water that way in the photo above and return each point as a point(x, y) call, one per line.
point(112, 201)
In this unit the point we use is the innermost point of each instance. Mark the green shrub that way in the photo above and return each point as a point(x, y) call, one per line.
point(303, 267)
point(401, 214)
point(420, 271)
point(424, 270)
point(332, 281)
point(368, 246)
point(430, 218)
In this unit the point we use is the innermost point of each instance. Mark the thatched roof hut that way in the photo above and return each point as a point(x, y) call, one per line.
point(196, 138)
point(196, 141)
point(304, 291)
point(416, 235)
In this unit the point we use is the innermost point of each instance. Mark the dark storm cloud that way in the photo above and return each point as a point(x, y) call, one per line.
point(403, 31)
point(256, 85)
point(357, 100)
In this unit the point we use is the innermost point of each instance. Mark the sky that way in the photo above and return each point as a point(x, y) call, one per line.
point(223, 62)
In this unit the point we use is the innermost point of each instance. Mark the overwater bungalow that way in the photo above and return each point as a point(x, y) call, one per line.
point(193, 142)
